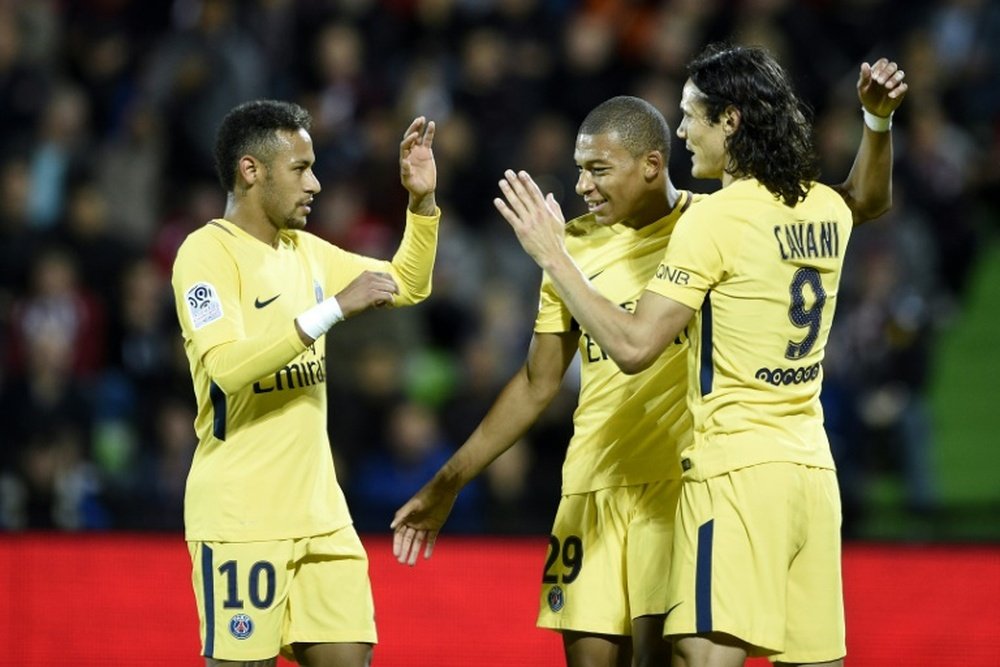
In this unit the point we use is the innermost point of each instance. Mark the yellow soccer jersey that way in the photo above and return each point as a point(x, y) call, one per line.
point(765, 278)
point(263, 469)
point(627, 429)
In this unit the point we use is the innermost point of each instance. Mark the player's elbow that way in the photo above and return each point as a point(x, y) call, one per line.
point(872, 212)
point(633, 360)
point(633, 367)
point(413, 294)
point(543, 389)
point(227, 384)
point(228, 379)
point(870, 207)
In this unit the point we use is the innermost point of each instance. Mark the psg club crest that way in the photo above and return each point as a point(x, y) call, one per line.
point(241, 626)
point(556, 598)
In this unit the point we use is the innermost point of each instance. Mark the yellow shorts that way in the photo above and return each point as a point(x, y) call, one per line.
point(255, 599)
point(757, 556)
point(609, 555)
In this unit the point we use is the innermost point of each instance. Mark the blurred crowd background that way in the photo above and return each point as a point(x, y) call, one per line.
point(108, 110)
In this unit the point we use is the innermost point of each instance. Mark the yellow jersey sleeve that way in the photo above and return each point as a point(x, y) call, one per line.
point(411, 266)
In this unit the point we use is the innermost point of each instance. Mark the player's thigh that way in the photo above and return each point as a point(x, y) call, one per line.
point(649, 543)
point(709, 650)
point(241, 590)
point(584, 586)
point(649, 647)
point(330, 597)
point(592, 650)
point(333, 655)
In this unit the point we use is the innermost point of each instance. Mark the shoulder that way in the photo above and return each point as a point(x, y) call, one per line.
point(698, 197)
point(309, 242)
point(825, 195)
point(710, 205)
point(822, 190)
point(211, 235)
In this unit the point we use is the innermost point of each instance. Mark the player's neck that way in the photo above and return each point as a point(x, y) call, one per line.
point(728, 179)
point(658, 206)
point(250, 219)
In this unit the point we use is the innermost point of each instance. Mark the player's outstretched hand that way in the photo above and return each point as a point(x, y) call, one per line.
point(537, 219)
point(881, 87)
point(370, 289)
point(418, 522)
point(417, 169)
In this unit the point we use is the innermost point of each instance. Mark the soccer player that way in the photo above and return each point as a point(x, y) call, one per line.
point(755, 568)
point(604, 586)
point(277, 565)
point(600, 587)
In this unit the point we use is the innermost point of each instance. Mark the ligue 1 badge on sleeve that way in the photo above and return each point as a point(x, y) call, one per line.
point(241, 626)
point(556, 598)
point(203, 304)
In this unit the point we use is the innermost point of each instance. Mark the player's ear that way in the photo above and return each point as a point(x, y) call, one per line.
point(248, 169)
point(653, 165)
point(731, 120)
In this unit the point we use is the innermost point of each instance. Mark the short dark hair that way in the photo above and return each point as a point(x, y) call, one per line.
point(774, 141)
point(250, 129)
point(640, 126)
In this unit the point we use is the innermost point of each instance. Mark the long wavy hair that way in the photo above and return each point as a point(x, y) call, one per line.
point(774, 140)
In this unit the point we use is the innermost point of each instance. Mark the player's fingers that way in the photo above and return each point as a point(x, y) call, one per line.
point(407, 144)
point(886, 72)
point(415, 127)
point(526, 189)
point(388, 285)
point(383, 281)
point(878, 67)
point(531, 188)
point(501, 206)
point(515, 199)
point(399, 516)
point(418, 542)
point(865, 75)
point(431, 540)
point(899, 91)
point(401, 543)
point(428, 139)
point(554, 207)
point(528, 194)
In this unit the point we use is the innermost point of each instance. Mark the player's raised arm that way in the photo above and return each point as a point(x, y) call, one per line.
point(868, 188)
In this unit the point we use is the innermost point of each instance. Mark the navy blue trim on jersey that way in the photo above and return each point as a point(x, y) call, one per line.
point(215, 224)
point(707, 373)
point(218, 398)
point(208, 597)
point(703, 578)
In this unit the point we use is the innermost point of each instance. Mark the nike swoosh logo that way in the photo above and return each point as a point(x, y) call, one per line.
point(596, 274)
point(260, 304)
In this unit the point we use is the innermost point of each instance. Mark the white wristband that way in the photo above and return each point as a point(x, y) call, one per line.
point(317, 320)
point(877, 123)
